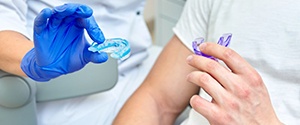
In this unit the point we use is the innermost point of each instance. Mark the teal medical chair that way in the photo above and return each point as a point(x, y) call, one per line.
point(19, 95)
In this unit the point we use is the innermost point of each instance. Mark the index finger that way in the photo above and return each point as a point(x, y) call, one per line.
point(69, 12)
point(41, 20)
point(233, 60)
point(92, 28)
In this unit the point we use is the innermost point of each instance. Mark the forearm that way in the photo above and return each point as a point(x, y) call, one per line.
point(164, 93)
point(13, 47)
point(142, 108)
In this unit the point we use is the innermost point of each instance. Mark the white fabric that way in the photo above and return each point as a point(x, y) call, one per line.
point(116, 18)
point(265, 32)
point(13, 16)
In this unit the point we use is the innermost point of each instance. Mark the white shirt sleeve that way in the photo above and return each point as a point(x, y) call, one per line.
point(193, 22)
point(13, 16)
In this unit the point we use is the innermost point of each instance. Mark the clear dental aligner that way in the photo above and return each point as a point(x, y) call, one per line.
point(224, 41)
point(117, 47)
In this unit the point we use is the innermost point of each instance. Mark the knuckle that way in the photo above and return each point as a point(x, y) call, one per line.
point(228, 53)
point(241, 90)
point(212, 65)
point(204, 78)
point(233, 105)
point(253, 77)
point(256, 80)
point(244, 93)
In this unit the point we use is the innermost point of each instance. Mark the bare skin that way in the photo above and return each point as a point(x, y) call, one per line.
point(164, 93)
point(239, 93)
point(11, 54)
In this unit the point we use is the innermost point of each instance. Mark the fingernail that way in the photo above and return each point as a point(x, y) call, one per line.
point(202, 46)
point(189, 58)
point(195, 99)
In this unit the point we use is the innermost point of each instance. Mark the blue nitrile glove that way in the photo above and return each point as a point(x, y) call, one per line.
point(60, 46)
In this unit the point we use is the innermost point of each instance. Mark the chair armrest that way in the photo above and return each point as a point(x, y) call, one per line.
point(18, 95)
point(93, 78)
point(17, 100)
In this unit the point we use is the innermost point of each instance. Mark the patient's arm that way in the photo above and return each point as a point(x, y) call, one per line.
point(13, 47)
point(164, 93)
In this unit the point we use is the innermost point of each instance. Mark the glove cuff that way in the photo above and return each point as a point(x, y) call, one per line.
point(34, 71)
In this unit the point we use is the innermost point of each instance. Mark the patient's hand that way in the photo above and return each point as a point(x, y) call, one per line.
point(239, 94)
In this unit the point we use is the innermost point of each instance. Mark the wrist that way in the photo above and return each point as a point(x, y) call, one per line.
point(34, 71)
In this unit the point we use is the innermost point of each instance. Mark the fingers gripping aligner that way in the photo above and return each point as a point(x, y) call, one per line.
point(67, 13)
point(41, 20)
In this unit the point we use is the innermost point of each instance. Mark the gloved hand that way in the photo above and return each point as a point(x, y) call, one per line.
point(60, 46)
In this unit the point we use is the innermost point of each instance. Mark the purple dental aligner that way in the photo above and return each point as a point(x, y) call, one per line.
point(224, 41)
point(227, 38)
